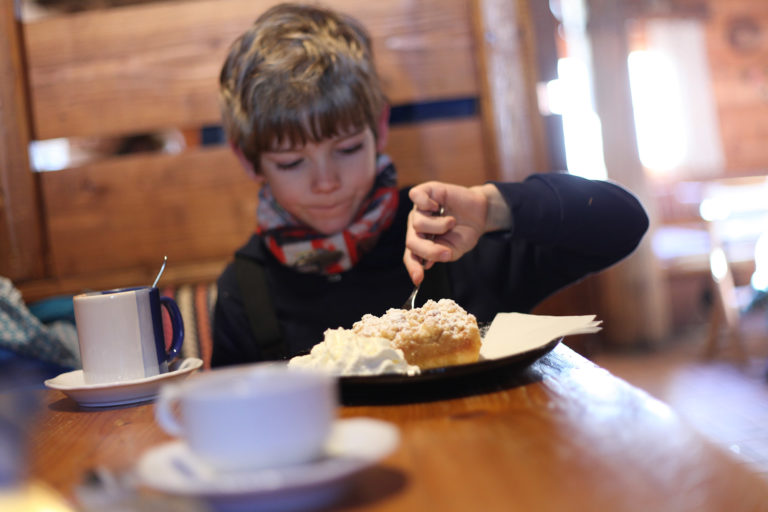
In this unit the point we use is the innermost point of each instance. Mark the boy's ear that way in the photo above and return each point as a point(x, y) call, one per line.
point(247, 165)
point(382, 129)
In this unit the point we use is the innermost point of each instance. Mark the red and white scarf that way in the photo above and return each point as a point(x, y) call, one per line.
point(301, 247)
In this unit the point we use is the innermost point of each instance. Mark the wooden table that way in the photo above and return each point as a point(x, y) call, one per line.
point(561, 435)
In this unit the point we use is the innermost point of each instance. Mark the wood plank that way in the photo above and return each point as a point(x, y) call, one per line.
point(449, 150)
point(744, 129)
point(515, 140)
point(686, 9)
point(129, 212)
point(21, 254)
point(644, 319)
point(134, 69)
point(563, 435)
point(739, 84)
point(175, 274)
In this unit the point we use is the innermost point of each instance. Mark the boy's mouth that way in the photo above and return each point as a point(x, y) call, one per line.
point(339, 206)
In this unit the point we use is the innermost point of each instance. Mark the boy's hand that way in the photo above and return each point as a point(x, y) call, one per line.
point(469, 212)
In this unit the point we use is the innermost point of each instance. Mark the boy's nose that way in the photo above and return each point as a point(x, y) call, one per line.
point(325, 177)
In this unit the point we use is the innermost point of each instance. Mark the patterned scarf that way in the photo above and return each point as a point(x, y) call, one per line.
point(301, 247)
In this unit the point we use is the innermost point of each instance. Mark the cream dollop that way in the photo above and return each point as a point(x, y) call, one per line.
point(343, 352)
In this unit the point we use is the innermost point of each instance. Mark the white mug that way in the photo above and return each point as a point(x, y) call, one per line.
point(120, 334)
point(255, 416)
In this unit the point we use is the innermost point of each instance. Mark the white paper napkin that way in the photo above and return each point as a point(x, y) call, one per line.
point(514, 333)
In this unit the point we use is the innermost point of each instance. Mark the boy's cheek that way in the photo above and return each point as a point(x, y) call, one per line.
point(287, 196)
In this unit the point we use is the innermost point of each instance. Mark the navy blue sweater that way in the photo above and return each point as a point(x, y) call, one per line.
point(564, 228)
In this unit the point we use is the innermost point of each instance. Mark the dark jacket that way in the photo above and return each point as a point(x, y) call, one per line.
point(564, 228)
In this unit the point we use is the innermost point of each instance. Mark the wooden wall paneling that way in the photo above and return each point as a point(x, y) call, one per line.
point(547, 39)
point(131, 211)
point(138, 68)
point(175, 274)
point(424, 50)
point(581, 298)
point(506, 58)
point(155, 66)
point(737, 46)
point(632, 292)
point(745, 131)
point(21, 235)
point(129, 70)
point(667, 8)
point(449, 150)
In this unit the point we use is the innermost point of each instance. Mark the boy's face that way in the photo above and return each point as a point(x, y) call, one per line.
point(323, 184)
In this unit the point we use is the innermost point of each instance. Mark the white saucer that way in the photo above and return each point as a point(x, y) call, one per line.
point(354, 444)
point(73, 385)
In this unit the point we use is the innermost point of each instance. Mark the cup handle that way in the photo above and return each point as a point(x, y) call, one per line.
point(164, 406)
point(177, 327)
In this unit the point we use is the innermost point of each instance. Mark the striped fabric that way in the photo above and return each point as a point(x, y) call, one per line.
point(195, 302)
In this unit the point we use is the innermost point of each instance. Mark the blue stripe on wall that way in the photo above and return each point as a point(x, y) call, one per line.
point(400, 114)
point(433, 110)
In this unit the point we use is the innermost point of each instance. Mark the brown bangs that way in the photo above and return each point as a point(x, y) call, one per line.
point(295, 121)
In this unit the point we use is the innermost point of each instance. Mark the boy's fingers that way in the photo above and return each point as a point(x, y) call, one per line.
point(430, 225)
point(414, 267)
point(428, 197)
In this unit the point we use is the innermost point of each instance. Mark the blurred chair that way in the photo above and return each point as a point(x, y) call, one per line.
point(736, 213)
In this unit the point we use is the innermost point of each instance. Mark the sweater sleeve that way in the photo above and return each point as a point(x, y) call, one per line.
point(598, 219)
point(563, 228)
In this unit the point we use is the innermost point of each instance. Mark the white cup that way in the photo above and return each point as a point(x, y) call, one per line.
point(120, 334)
point(251, 417)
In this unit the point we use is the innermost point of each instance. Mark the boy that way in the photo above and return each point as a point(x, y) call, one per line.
point(304, 112)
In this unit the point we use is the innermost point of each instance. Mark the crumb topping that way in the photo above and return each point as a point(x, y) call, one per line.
point(433, 324)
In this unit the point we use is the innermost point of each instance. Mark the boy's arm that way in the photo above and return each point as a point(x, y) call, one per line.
point(595, 219)
point(591, 217)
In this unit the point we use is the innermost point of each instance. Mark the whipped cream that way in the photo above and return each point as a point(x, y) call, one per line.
point(343, 352)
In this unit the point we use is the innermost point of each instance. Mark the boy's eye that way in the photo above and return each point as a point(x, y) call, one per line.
point(289, 165)
point(351, 149)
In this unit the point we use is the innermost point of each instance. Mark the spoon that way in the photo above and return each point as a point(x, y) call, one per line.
point(410, 302)
point(162, 268)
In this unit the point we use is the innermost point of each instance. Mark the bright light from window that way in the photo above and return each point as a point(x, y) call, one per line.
point(49, 155)
point(718, 264)
point(570, 96)
point(659, 120)
point(712, 209)
point(759, 279)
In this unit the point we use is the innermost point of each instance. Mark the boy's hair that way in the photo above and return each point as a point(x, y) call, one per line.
point(299, 74)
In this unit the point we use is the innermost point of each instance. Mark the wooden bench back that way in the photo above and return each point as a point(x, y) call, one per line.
point(152, 67)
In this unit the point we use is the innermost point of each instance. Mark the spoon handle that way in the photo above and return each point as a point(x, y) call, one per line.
point(162, 268)
point(410, 302)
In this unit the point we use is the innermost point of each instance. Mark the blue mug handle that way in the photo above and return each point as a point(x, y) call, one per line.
point(177, 326)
